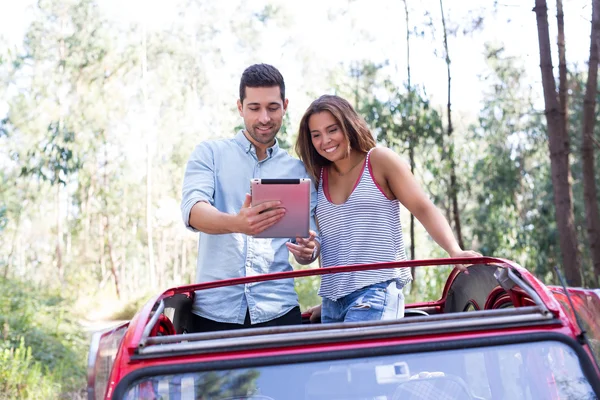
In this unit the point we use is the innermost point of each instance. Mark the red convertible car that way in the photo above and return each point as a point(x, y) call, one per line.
point(496, 333)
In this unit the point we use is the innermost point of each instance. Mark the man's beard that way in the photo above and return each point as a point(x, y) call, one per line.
point(263, 139)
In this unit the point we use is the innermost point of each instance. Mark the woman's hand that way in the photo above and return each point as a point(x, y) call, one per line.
point(315, 314)
point(464, 254)
point(305, 250)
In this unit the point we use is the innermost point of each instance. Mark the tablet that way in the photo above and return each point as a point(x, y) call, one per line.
point(294, 195)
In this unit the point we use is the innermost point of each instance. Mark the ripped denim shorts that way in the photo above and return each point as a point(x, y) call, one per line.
point(380, 301)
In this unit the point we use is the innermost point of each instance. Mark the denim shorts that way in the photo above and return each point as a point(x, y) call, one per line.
point(381, 301)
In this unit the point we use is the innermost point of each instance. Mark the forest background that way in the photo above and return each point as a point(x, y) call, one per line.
point(102, 102)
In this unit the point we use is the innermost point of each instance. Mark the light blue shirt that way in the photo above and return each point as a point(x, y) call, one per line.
point(219, 173)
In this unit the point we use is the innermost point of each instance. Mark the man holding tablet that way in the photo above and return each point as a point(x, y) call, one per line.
point(216, 202)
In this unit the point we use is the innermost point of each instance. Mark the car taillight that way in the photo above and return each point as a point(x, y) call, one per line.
point(103, 351)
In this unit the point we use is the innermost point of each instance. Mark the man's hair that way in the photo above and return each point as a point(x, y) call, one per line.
point(353, 127)
point(261, 75)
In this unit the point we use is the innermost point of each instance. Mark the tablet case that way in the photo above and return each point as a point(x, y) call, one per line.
point(294, 195)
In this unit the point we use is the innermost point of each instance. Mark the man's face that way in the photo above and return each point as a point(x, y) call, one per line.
point(263, 112)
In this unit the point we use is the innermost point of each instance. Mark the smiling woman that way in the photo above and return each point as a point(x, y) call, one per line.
point(358, 210)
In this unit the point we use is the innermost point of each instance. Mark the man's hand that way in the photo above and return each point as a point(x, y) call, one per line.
point(304, 249)
point(464, 254)
point(254, 220)
point(315, 314)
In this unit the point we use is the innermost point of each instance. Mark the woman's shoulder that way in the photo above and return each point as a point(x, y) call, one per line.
point(381, 152)
point(383, 157)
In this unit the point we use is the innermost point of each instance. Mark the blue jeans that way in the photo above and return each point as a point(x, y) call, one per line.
point(381, 301)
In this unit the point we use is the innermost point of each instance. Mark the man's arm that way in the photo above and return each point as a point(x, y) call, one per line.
point(198, 186)
point(250, 220)
point(206, 218)
point(198, 211)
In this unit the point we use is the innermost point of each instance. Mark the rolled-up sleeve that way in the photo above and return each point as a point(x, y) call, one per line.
point(198, 181)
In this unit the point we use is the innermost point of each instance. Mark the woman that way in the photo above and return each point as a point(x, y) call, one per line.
point(360, 189)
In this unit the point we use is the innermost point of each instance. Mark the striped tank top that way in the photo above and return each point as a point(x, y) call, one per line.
point(365, 229)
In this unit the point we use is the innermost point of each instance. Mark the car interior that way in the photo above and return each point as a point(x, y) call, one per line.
point(480, 289)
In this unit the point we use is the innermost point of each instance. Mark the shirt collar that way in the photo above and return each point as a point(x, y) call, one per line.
point(243, 141)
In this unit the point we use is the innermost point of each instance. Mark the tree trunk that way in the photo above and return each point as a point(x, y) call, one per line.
point(69, 238)
point(87, 215)
point(149, 225)
point(453, 192)
point(62, 51)
point(587, 147)
point(562, 65)
point(162, 258)
point(111, 255)
point(411, 153)
point(16, 237)
point(58, 249)
point(125, 273)
point(108, 243)
point(102, 243)
point(558, 143)
point(183, 266)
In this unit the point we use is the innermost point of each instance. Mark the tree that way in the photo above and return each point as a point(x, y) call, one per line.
point(453, 188)
point(562, 64)
point(587, 145)
point(558, 142)
point(411, 150)
point(512, 217)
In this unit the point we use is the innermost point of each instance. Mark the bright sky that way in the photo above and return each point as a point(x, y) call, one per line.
point(331, 42)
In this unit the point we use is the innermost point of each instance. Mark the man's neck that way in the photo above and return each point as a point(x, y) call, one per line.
point(261, 149)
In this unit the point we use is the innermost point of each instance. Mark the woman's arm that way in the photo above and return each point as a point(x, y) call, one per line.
point(395, 175)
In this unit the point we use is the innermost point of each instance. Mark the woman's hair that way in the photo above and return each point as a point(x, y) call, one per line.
point(353, 126)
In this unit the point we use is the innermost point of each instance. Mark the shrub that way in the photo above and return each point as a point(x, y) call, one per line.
point(42, 351)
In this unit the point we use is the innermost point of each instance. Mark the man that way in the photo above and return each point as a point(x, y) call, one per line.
point(216, 203)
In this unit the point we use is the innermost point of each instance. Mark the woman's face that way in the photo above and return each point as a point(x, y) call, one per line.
point(327, 136)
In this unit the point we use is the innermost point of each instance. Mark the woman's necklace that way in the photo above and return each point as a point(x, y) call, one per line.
point(360, 160)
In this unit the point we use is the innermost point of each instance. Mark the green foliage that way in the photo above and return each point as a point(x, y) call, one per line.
point(430, 283)
point(307, 290)
point(401, 119)
point(3, 219)
point(42, 351)
point(54, 161)
point(513, 213)
point(577, 83)
point(22, 377)
point(284, 137)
